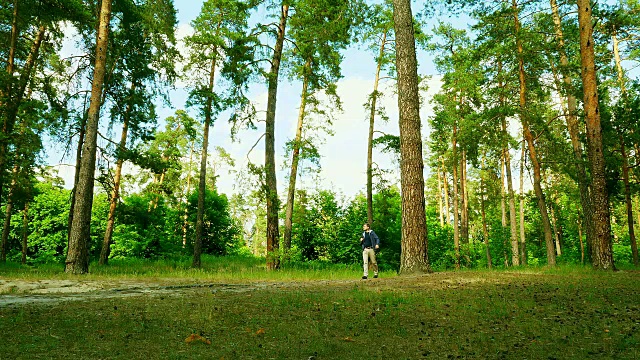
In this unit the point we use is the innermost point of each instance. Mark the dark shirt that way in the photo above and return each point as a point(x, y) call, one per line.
point(367, 239)
point(372, 239)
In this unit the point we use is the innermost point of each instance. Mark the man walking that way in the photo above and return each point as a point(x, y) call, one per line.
point(370, 243)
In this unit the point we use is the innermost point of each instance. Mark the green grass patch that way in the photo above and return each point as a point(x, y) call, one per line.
point(547, 314)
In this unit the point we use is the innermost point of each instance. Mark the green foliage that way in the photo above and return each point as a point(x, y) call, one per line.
point(221, 233)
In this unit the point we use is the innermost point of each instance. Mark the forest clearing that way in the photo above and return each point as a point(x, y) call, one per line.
point(537, 313)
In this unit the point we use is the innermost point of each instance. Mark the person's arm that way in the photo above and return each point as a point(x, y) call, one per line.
point(376, 239)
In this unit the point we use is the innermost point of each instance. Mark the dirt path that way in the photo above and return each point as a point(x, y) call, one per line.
point(50, 292)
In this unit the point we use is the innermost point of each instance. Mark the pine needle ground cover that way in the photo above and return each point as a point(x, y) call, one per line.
point(544, 314)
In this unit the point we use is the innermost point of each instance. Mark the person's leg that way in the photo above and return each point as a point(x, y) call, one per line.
point(365, 258)
point(372, 262)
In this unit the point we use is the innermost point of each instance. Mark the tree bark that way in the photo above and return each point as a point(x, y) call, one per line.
point(456, 210)
point(537, 178)
point(522, 248)
point(601, 251)
point(273, 203)
point(464, 197)
point(77, 261)
point(15, 98)
point(7, 216)
point(115, 194)
point(515, 252)
point(372, 118)
point(627, 195)
point(414, 257)
point(25, 231)
point(446, 193)
point(485, 232)
point(202, 182)
point(503, 210)
point(572, 125)
point(440, 206)
point(295, 159)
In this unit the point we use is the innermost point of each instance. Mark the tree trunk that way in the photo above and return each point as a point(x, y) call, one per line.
point(414, 256)
point(581, 242)
point(7, 216)
point(515, 252)
point(440, 207)
point(446, 193)
point(76, 176)
point(503, 210)
point(108, 235)
point(464, 197)
point(185, 217)
point(16, 96)
point(202, 182)
point(295, 159)
point(601, 251)
point(537, 178)
point(273, 203)
point(456, 212)
point(25, 231)
point(372, 118)
point(522, 248)
point(77, 261)
point(627, 194)
point(572, 126)
point(556, 230)
point(485, 232)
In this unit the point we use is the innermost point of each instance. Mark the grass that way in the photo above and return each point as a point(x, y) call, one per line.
point(570, 313)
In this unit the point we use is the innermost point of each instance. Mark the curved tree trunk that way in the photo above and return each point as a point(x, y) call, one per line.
point(202, 183)
point(77, 261)
point(273, 203)
point(295, 160)
point(414, 256)
point(372, 118)
point(115, 194)
point(537, 177)
point(602, 250)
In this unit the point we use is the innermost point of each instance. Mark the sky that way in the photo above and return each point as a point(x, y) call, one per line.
point(343, 155)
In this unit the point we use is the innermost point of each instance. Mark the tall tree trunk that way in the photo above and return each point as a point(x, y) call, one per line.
point(440, 207)
point(601, 251)
point(464, 197)
point(581, 242)
point(515, 252)
point(270, 161)
point(295, 159)
point(485, 232)
point(185, 217)
point(556, 229)
point(7, 216)
point(25, 231)
point(446, 192)
point(372, 118)
point(202, 182)
point(77, 261)
point(503, 210)
point(456, 210)
point(5, 93)
point(522, 248)
point(113, 203)
point(76, 176)
point(16, 96)
point(537, 178)
point(572, 126)
point(414, 256)
point(627, 194)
